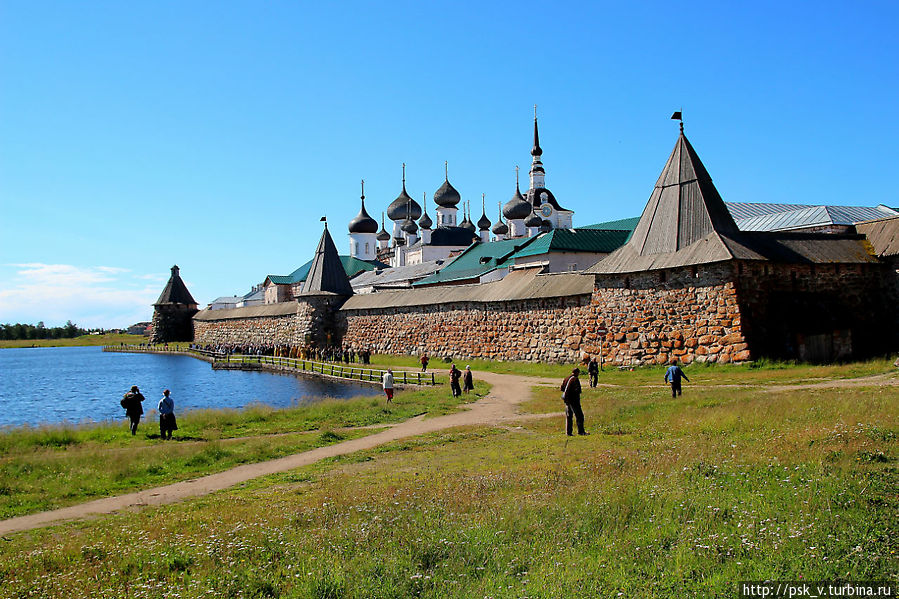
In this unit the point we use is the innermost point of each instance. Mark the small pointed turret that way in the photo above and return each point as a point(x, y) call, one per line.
point(326, 274)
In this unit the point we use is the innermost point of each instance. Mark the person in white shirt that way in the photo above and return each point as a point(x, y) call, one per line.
point(387, 383)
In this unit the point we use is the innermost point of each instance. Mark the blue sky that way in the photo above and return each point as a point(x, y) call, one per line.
point(213, 135)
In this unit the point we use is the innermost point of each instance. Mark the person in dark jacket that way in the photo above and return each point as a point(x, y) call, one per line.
point(593, 371)
point(455, 374)
point(571, 395)
point(467, 380)
point(673, 375)
point(133, 408)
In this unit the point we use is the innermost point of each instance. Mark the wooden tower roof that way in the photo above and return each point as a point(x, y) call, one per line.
point(327, 275)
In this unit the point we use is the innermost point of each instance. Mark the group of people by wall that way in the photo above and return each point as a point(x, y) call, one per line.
point(331, 353)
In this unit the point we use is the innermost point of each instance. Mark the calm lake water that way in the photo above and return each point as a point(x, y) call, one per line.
point(83, 384)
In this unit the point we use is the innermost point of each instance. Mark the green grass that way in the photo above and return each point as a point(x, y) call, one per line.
point(754, 373)
point(83, 340)
point(50, 467)
point(736, 480)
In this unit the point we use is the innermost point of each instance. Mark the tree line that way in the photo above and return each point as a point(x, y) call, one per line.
point(39, 331)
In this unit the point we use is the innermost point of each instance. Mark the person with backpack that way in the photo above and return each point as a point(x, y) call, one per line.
point(571, 395)
point(131, 401)
point(593, 371)
point(455, 374)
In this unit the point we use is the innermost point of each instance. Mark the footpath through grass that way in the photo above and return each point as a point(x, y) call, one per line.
point(666, 498)
point(55, 466)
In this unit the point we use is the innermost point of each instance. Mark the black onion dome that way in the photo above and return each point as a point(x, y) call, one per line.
point(403, 207)
point(363, 223)
point(483, 222)
point(517, 208)
point(425, 222)
point(467, 224)
point(533, 221)
point(409, 226)
point(383, 235)
point(546, 226)
point(447, 196)
point(500, 228)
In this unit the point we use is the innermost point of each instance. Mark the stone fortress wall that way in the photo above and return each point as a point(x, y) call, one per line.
point(695, 317)
point(726, 312)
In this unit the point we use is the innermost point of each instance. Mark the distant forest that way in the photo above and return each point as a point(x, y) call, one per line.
point(39, 331)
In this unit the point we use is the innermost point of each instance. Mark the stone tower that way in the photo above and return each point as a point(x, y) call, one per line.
point(173, 312)
point(326, 288)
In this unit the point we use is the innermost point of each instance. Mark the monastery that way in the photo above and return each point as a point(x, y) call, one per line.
point(686, 281)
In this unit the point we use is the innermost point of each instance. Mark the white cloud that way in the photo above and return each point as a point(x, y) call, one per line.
point(96, 296)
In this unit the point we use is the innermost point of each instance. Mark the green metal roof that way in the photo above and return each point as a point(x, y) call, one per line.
point(352, 266)
point(477, 260)
point(623, 224)
point(598, 241)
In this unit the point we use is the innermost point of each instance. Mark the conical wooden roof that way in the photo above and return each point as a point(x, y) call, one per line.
point(684, 206)
point(327, 275)
point(175, 291)
point(682, 222)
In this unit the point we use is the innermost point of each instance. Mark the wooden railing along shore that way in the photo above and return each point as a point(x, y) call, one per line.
point(329, 369)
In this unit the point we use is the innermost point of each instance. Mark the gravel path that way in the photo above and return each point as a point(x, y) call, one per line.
point(497, 407)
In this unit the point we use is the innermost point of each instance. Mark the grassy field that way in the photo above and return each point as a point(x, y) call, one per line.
point(50, 467)
point(83, 340)
point(746, 477)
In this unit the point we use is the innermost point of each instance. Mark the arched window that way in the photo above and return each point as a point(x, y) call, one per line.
point(366, 248)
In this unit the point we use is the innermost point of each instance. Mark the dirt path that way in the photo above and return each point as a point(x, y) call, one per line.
point(497, 407)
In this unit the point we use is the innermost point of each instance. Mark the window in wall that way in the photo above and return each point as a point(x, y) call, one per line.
point(366, 248)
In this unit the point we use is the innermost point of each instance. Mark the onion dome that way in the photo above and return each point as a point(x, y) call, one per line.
point(363, 223)
point(383, 235)
point(403, 206)
point(483, 222)
point(409, 226)
point(447, 196)
point(546, 226)
point(500, 228)
point(467, 224)
point(517, 208)
point(425, 222)
point(533, 221)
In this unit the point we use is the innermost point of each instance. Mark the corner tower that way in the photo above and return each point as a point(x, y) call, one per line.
point(173, 312)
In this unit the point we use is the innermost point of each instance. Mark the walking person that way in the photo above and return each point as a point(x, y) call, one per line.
point(167, 422)
point(424, 362)
point(131, 401)
point(593, 371)
point(673, 375)
point(467, 380)
point(571, 395)
point(455, 374)
point(387, 383)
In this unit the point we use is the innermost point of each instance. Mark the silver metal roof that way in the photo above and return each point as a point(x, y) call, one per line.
point(397, 274)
